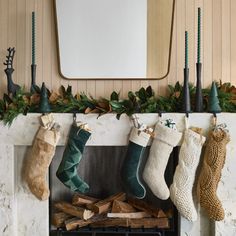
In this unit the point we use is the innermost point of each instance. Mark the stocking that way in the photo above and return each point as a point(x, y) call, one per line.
point(182, 186)
point(67, 171)
point(37, 163)
point(210, 174)
point(130, 169)
point(166, 139)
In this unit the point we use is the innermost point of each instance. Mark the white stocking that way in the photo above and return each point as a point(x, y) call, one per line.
point(165, 140)
point(182, 186)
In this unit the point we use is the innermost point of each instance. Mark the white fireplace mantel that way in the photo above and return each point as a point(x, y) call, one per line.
point(21, 214)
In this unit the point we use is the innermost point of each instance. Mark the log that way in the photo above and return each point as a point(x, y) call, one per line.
point(89, 206)
point(104, 206)
point(134, 223)
point(75, 223)
point(133, 215)
point(122, 207)
point(73, 210)
point(143, 206)
point(82, 200)
point(59, 218)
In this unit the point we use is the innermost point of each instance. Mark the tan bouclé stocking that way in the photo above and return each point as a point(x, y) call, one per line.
point(210, 174)
point(38, 161)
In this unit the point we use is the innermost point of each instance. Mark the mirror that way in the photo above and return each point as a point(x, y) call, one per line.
point(114, 39)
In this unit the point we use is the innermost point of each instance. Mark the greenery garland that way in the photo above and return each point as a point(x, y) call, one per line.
point(142, 101)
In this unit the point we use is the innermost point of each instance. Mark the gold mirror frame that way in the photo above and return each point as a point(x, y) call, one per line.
point(152, 55)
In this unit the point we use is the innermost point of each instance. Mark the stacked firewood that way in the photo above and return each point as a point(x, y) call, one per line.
point(114, 211)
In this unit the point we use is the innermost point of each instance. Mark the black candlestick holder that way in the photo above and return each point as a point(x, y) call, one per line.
point(198, 96)
point(33, 78)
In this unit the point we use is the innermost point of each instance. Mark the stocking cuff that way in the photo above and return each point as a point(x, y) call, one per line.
point(139, 137)
point(49, 136)
point(167, 135)
point(198, 138)
point(78, 133)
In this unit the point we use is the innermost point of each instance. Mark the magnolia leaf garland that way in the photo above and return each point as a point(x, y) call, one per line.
point(141, 101)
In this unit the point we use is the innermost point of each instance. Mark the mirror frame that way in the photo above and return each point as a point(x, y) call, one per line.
point(59, 60)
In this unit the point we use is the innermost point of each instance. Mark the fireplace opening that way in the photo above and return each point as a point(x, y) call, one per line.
point(100, 168)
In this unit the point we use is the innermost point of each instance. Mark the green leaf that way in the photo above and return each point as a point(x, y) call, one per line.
point(63, 90)
point(114, 96)
point(149, 91)
point(141, 94)
point(69, 90)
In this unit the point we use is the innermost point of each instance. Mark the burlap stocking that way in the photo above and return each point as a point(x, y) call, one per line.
point(184, 177)
point(67, 171)
point(130, 169)
point(165, 140)
point(37, 163)
point(210, 174)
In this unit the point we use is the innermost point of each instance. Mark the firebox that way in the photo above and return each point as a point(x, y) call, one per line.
point(100, 168)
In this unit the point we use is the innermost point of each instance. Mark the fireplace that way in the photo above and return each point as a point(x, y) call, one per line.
point(100, 168)
point(21, 214)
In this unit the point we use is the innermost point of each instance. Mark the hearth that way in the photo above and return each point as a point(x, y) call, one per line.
point(100, 168)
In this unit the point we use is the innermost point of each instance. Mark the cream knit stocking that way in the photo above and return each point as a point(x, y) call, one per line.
point(166, 139)
point(182, 186)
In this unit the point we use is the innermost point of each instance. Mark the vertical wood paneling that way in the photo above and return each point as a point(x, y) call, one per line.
point(109, 85)
point(91, 88)
point(226, 44)
point(158, 35)
point(127, 86)
point(47, 69)
point(207, 42)
point(118, 86)
point(180, 26)
point(100, 88)
point(55, 77)
point(20, 44)
point(233, 39)
point(218, 46)
point(3, 39)
point(216, 42)
point(172, 76)
point(135, 85)
point(190, 27)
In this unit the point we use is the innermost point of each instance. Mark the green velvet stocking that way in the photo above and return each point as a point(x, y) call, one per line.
point(130, 168)
point(67, 171)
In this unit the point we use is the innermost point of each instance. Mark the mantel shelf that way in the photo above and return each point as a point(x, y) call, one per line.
point(107, 130)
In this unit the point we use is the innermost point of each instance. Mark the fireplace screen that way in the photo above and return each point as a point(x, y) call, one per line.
point(100, 168)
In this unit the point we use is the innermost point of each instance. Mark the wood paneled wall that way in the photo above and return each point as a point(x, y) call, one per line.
point(218, 51)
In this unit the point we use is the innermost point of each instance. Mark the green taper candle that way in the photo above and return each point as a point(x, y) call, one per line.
point(199, 37)
point(33, 38)
point(186, 49)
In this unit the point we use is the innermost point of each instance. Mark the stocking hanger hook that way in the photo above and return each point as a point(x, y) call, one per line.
point(214, 119)
point(74, 116)
point(136, 123)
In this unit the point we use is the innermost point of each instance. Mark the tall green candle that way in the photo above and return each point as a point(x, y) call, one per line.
point(199, 37)
point(186, 49)
point(33, 38)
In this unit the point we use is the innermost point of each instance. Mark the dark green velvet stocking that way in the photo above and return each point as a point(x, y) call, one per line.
point(131, 164)
point(67, 171)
